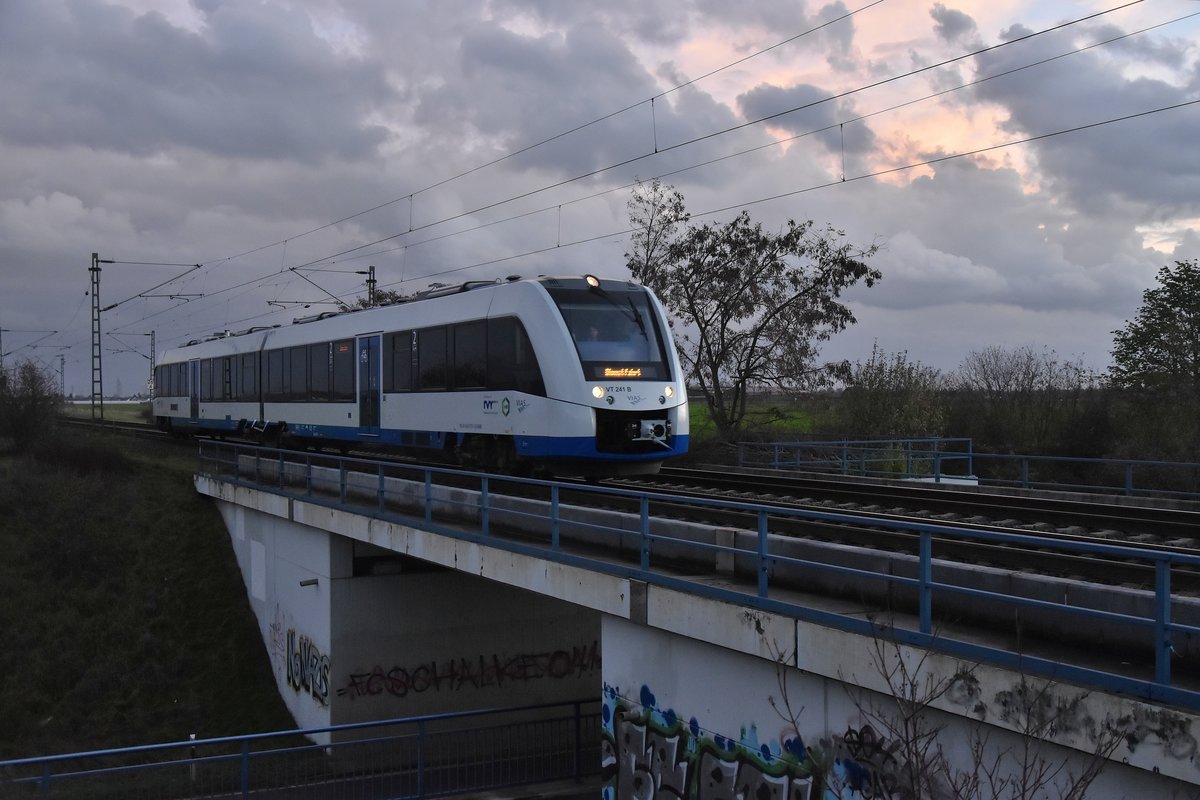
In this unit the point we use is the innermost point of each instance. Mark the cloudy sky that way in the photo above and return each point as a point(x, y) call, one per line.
point(1026, 166)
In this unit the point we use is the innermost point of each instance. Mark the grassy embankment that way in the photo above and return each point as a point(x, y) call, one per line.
point(123, 615)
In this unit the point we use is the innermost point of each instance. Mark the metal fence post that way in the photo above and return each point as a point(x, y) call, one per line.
point(926, 587)
point(483, 506)
point(1128, 477)
point(245, 768)
point(762, 554)
point(421, 758)
point(428, 496)
point(1162, 622)
point(554, 525)
point(578, 742)
point(308, 476)
point(382, 490)
point(645, 509)
point(341, 481)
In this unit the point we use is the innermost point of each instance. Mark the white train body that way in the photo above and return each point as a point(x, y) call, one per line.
point(572, 374)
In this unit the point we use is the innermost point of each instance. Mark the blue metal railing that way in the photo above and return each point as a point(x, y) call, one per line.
point(915, 457)
point(940, 459)
point(411, 757)
point(1153, 626)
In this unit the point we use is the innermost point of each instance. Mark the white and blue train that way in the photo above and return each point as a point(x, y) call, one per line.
point(572, 375)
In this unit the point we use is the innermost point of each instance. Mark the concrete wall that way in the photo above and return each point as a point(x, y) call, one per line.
point(348, 648)
point(689, 719)
point(442, 641)
point(275, 555)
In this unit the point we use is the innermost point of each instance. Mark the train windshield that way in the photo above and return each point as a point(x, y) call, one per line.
point(616, 332)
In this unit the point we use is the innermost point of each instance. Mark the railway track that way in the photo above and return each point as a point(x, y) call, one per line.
point(860, 504)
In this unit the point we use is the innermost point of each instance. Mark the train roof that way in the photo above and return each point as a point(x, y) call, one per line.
point(434, 291)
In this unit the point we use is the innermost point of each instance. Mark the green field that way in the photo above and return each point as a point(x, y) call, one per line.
point(117, 412)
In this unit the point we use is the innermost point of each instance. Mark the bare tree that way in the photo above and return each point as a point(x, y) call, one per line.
point(753, 306)
point(898, 750)
point(29, 404)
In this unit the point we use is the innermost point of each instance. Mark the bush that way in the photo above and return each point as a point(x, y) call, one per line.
point(29, 405)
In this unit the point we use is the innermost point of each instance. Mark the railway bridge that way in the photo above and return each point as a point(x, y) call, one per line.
point(730, 660)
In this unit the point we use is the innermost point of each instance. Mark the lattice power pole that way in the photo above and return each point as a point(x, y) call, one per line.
point(97, 349)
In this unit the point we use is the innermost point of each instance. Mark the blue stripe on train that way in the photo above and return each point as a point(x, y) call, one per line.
point(540, 447)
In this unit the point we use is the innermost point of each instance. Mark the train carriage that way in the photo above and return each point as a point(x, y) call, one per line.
point(575, 375)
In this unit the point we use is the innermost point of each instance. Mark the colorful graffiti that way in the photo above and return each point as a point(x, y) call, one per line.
point(457, 674)
point(307, 667)
point(651, 753)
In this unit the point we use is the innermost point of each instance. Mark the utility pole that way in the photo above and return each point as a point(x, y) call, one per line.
point(97, 346)
point(62, 372)
point(97, 349)
point(370, 273)
point(152, 386)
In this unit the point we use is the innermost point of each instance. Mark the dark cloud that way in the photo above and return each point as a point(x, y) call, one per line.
point(1151, 162)
point(816, 113)
point(254, 83)
point(952, 24)
point(518, 90)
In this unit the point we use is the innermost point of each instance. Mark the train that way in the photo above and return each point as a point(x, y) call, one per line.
point(572, 375)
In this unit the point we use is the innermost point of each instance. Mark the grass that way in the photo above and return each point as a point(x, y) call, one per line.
point(117, 412)
point(123, 613)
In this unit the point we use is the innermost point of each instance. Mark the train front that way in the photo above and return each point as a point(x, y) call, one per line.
point(632, 379)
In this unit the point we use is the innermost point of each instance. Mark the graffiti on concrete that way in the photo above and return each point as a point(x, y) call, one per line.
point(868, 765)
point(1172, 731)
point(1040, 710)
point(307, 667)
point(651, 753)
point(277, 642)
point(964, 691)
point(457, 674)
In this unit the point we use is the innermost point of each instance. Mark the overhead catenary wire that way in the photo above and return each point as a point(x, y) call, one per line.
point(677, 145)
point(730, 129)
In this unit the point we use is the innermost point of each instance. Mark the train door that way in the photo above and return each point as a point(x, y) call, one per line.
point(194, 387)
point(370, 390)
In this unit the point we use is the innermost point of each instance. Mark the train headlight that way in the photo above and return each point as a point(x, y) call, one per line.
point(592, 281)
point(669, 392)
point(598, 392)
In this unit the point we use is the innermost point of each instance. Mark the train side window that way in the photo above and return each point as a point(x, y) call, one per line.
point(228, 382)
point(398, 362)
point(470, 355)
point(318, 372)
point(249, 368)
point(298, 387)
point(431, 359)
point(343, 371)
point(205, 380)
point(275, 377)
point(182, 380)
point(512, 364)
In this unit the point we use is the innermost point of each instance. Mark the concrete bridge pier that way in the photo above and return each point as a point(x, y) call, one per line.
point(410, 637)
